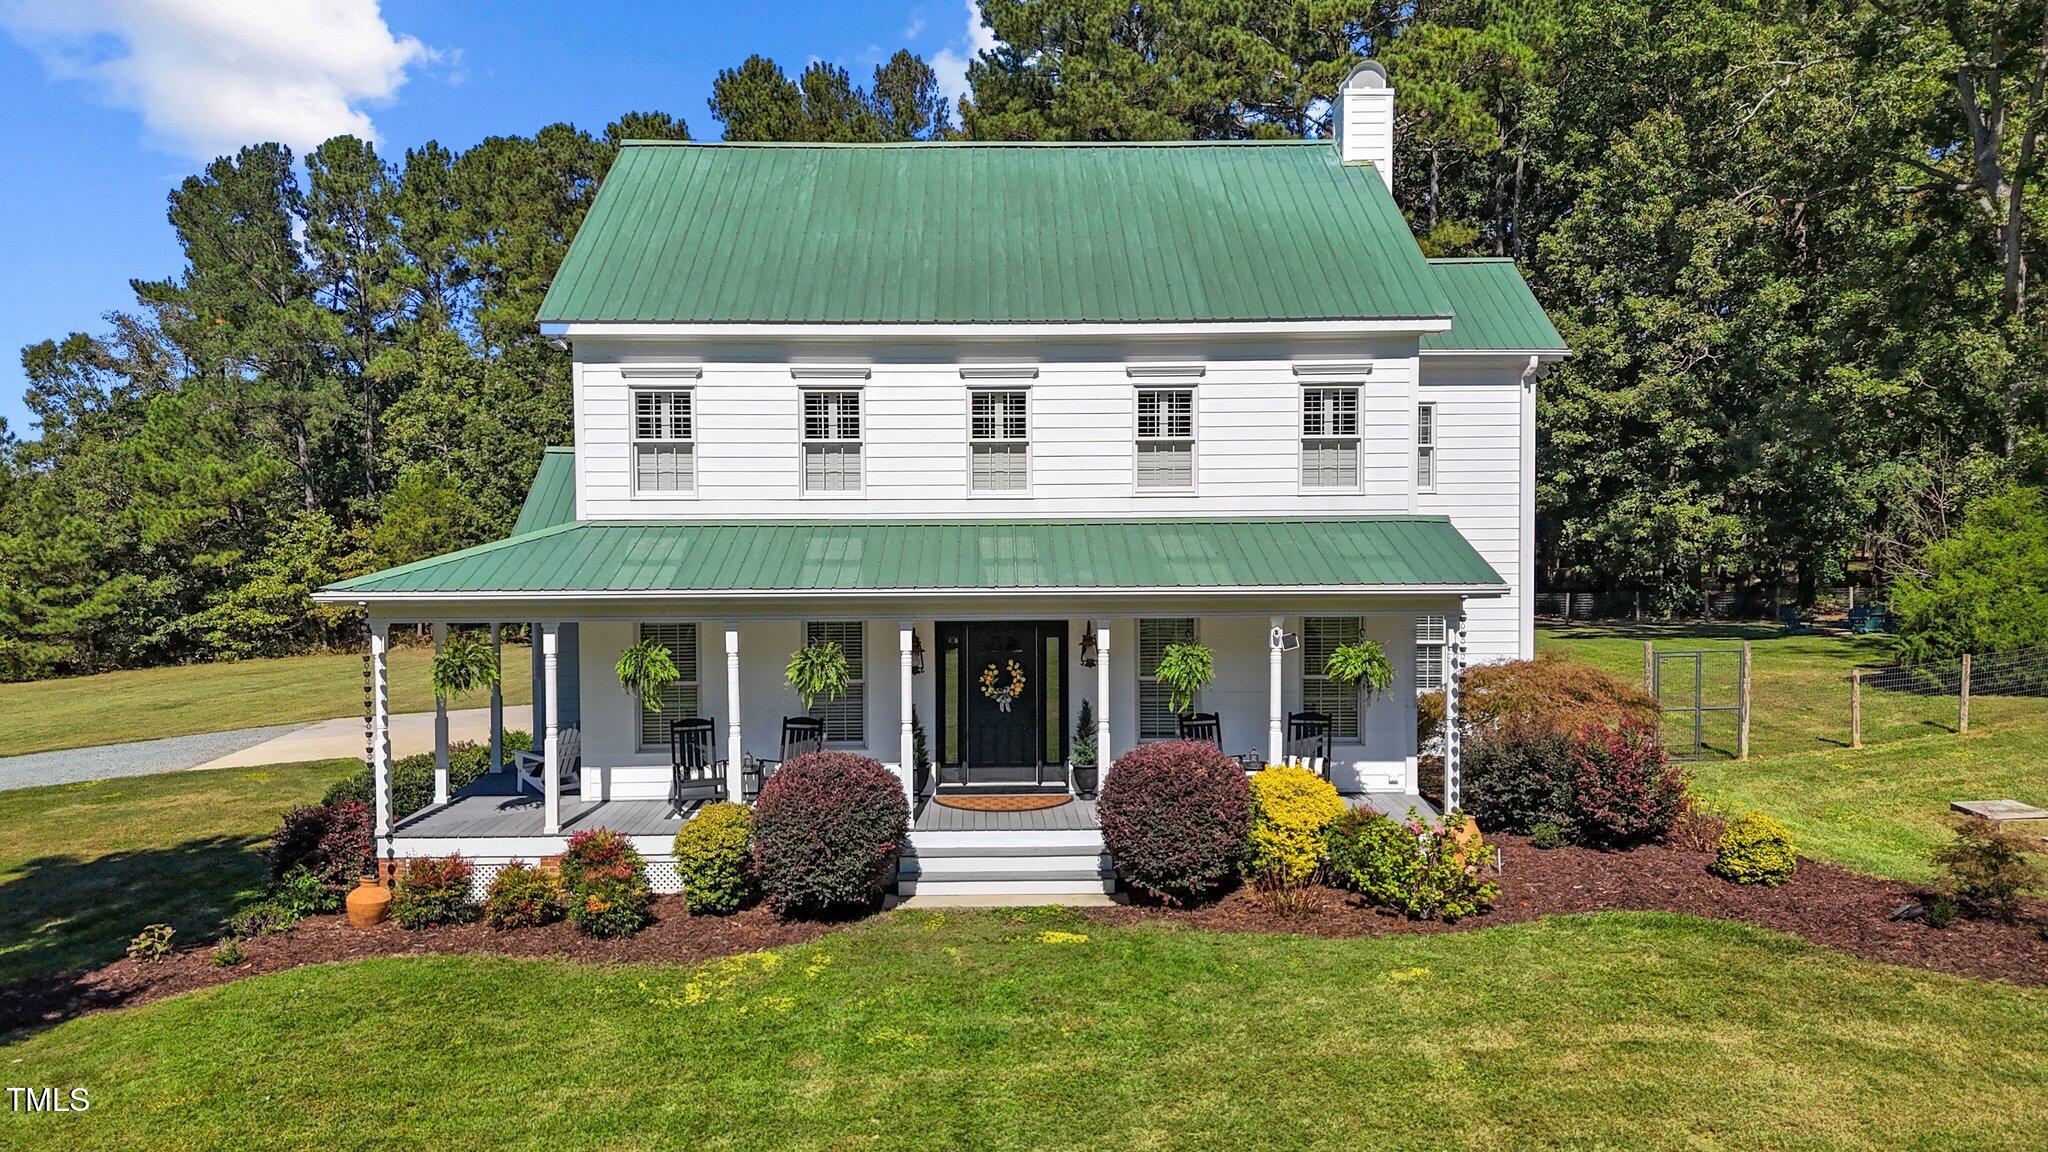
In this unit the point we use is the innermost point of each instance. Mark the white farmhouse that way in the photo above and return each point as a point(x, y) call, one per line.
point(1003, 421)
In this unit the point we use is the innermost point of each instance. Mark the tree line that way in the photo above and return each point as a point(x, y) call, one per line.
point(1794, 247)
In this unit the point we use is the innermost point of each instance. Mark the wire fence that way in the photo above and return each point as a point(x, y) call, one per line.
point(1727, 604)
point(1901, 700)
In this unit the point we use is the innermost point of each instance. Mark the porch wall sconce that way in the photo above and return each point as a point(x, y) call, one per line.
point(916, 654)
point(1088, 653)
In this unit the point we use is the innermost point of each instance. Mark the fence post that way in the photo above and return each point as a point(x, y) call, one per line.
point(1856, 708)
point(1649, 661)
point(1742, 735)
point(1963, 720)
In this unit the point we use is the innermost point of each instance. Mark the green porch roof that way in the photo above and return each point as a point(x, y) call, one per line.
point(988, 233)
point(1494, 310)
point(1362, 554)
point(551, 499)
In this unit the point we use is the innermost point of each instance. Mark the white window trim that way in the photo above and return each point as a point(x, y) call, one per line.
point(697, 662)
point(1193, 438)
point(804, 441)
point(633, 443)
point(1302, 438)
point(993, 386)
point(861, 682)
point(1426, 450)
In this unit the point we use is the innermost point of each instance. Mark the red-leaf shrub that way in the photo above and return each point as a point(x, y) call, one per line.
point(604, 880)
point(1175, 816)
point(434, 890)
point(1624, 791)
point(1517, 775)
point(1553, 691)
point(828, 829)
point(334, 842)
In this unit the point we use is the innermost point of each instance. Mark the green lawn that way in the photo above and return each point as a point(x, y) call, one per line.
point(973, 1030)
point(83, 867)
point(1877, 809)
point(149, 702)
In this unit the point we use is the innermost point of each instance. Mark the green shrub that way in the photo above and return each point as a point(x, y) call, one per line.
point(1291, 810)
point(714, 856)
point(523, 896)
point(229, 954)
point(1979, 590)
point(604, 880)
point(151, 944)
point(291, 898)
point(412, 777)
point(1546, 836)
point(1941, 912)
point(1755, 849)
point(433, 890)
point(1987, 869)
point(1411, 867)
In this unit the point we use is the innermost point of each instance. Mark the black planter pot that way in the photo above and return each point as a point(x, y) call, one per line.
point(1085, 781)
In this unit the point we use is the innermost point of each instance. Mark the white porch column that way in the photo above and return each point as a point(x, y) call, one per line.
point(1276, 700)
point(497, 701)
point(906, 638)
point(440, 725)
point(1102, 756)
point(735, 780)
point(380, 723)
point(551, 775)
point(1454, 663)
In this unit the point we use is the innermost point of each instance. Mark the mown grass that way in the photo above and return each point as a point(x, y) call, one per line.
point(977, 1030)
point(81, 711)
point(85, 866)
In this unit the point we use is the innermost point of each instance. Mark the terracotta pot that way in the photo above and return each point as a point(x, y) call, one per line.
point(369, 903)
point(1466, 838)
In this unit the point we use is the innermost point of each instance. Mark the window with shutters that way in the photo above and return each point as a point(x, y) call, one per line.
point(1429, 653)
point(1156, 717)
point(831, 441)
point(846, 719)
point(1329, 438)
point(1166, 440)
point(664, 441)
point(1320, 636)
point(679, 701)
point(1425, 447)
point(999, 435)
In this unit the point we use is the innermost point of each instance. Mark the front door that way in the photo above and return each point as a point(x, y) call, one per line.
point(1000, 704)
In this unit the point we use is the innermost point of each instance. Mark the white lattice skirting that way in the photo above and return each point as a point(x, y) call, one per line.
point(661, 875)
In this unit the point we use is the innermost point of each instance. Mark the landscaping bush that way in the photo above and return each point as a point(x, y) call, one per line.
point(1175, 816)
point(291, 898)
point(151, 944)
point(1755, 849)
point(1517, 776)
point(1411, 867)
point(229, 954)
point(1546, 836)
point(828, 829)
point(1291, 809)
point(1986, 869)
point(1624, 792)
point(412, 777)
point(604, 882)
point(433, 890)
point(1552, 691)
point(523, 896)
point(333, 842)
point(1979, 589)
point(714, 855)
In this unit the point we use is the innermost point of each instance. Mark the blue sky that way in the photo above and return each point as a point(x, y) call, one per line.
point(106, 104)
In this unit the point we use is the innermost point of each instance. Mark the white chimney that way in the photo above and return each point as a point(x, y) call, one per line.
point(1365, 120)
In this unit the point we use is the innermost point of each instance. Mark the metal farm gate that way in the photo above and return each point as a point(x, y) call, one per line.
point(1702, 701)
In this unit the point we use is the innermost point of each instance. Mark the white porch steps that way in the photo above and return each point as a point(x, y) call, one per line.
point(1005, 864)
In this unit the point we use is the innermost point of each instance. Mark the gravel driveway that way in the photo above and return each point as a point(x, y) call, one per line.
point(140, 758)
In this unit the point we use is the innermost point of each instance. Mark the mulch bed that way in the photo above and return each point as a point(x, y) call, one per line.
point(675, 937)
point(1830, 906)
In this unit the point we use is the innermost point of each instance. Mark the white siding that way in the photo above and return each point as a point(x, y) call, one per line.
point(1484, 480)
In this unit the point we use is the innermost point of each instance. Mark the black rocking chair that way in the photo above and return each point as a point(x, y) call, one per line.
point(1204, 726)
point(1308, 740)
point(800, 734)
point(696, 775)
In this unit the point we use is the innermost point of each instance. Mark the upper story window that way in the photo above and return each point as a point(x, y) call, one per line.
point(664, 435)
point(1329, 438)
point(999, 432)
point(846, 719)
point(1166, 439)
point(831, 441)
point(1425, 447)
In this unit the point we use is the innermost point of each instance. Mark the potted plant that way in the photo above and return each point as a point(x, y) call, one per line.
point(1361, 663)
point(647, 670)
point(463, 665)
point(818, 671)
point(920, 755)
point(1185, 668)
point(1087, 773)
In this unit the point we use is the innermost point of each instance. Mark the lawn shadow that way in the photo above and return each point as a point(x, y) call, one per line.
point(1660, 630)
point(61, 916)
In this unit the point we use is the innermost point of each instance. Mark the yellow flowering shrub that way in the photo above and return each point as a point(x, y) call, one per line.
point(1291, 807)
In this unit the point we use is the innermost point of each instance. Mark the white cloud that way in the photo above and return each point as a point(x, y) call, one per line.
point(208, 76)
point(951, 61)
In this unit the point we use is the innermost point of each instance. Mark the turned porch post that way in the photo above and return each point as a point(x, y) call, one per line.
point(906, 739)
point(551, 760)
point(1454, 663)
point(1276, 662)
point(1102, 703)
point(380, 724)
point(440, 725)
point(735, 779)
point(497, 700)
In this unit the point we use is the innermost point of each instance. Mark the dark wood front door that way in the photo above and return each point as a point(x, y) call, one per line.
point(991, 729)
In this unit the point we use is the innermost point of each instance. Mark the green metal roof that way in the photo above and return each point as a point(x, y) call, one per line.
point(551, 499)
point(1384, 553)
point(1494, 310)
point(975, 233)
